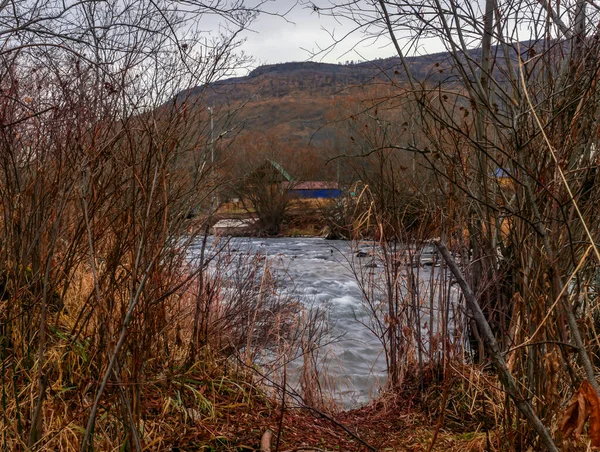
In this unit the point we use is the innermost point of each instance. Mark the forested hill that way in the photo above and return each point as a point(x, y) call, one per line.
point(296, 99)
point(278, 80)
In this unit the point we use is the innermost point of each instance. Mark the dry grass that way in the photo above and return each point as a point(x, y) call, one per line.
point(215, 404)
point(212, 404)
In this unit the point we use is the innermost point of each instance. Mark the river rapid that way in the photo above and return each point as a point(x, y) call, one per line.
point(320, 272)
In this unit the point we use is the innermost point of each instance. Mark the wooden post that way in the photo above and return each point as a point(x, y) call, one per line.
point(265, 441)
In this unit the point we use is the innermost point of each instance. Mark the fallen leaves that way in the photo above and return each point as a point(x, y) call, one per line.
point(584, 405)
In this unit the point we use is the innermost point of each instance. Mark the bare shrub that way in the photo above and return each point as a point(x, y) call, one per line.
point(100, 164)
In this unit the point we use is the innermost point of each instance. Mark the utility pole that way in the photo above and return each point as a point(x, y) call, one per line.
point(212, 140)
point(212, 152)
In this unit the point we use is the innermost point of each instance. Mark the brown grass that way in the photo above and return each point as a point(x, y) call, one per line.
point(218, 404)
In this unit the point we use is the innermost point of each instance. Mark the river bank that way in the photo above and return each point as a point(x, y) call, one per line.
point(444, 418)
point(218, 401)
point(304, 218)
point(425, 415)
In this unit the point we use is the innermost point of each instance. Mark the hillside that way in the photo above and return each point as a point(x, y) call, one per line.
point(295, 100)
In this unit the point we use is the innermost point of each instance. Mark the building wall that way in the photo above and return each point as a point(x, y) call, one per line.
point(328, 193)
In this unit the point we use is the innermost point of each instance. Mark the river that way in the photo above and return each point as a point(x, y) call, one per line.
point(319, 271)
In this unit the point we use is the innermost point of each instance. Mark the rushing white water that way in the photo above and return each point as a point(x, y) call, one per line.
point(319, 271)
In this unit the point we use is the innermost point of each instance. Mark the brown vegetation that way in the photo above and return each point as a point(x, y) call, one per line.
point(123, 326)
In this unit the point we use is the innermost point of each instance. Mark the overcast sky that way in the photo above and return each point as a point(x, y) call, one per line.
point(306, 35)
point(275, 40)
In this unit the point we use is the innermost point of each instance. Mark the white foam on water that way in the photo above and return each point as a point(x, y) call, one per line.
point(346, 300)
point(318, 271)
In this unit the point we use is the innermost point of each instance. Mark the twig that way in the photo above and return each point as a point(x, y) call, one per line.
point(315, 410)
point(113, 358)
point(343, 427)
point(494, 352)
point(280, 426)
point(584, 358)
point(438, 425)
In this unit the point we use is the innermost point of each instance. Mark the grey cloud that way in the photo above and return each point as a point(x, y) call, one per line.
point(303, 33)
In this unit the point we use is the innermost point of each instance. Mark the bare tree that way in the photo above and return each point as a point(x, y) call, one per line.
point(509, 120)
point(97, 140)
point(265, 170)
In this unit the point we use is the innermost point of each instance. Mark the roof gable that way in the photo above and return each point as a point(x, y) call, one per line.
point(272, 172)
